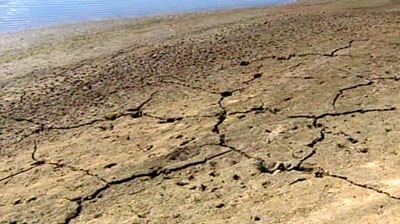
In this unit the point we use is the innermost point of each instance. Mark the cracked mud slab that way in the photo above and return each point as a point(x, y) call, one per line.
point(286, 114)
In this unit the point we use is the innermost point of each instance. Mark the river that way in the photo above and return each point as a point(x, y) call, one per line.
point(18, 15)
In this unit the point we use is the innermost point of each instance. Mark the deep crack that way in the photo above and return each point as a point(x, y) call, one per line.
point(341, 91)
point(221, 119)
point(338, 114)
point(332, 54)
point(361, 185)
point(163, 120)
point(75, 213)
point(20, 172)
point(256, 110)
point(317, 140)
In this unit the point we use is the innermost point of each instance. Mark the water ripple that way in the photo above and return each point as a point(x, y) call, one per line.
point(25, 14)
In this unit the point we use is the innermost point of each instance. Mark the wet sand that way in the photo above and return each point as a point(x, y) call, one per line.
point(284, 114)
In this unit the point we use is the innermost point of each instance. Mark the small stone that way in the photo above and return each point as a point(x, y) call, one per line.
point(226, 93)
point(213, 174)
point(244, 63)
point(31, 199)
point(236, 177)
point(111, 165)
point(319, 173)
point(103, 128)
point(182, 182)
point(258, 75)
point(203, 187)
point(266, 184)
point(220, 205)
point(257, 218)
point(276, 172)
point(364, 150)
point(214, 189)
point(340, 145)
point(137, 114)
point(352, 140)
point(98, 215)
point(111, 117)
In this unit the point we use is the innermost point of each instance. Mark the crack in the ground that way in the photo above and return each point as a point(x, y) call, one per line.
point(75, 213)
point(315, 118)
point(166, 120)
point(341, 91)
point(77, 169)
point(364, 186)
point(317, 140)
point(348, 137)
point(20, 172)
point(332, 54)
point(256, 110)
point(36, 163)
point(255, 76)
point(133, 112)
point(61, 165)
point(222, 115)
point(152, 173)
point(17, 119)
point(221, 118)
point(393, 78)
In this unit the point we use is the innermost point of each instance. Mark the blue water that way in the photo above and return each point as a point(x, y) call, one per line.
point(25, 14)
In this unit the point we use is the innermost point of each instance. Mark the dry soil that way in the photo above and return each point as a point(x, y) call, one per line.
point(285, 114)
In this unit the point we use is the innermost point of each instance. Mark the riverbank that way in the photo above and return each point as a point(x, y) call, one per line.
point(285, 114)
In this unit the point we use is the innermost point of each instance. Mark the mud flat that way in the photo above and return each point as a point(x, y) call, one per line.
point(283, 114)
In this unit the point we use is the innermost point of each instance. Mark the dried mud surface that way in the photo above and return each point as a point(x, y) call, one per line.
point(284, 114)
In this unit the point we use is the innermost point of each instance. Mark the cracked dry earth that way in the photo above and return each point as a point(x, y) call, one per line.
point(286, 114)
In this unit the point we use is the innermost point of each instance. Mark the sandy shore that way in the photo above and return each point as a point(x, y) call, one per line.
point(284, 114)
